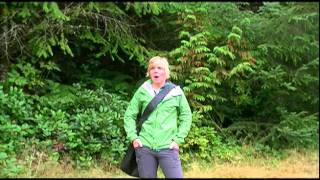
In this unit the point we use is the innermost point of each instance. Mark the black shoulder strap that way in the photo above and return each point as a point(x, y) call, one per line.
point(154, 102)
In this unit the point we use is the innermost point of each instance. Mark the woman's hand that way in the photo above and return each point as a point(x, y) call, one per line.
point(174, 145)
point(136, 143)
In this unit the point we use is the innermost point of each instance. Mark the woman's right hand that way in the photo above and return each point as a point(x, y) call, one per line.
point(136, 143)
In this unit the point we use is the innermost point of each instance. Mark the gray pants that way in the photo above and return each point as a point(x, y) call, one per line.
point(148, 161)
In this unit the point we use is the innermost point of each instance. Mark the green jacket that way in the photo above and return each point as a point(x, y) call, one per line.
point(169, 121)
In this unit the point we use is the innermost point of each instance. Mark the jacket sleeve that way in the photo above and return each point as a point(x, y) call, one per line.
point(184, 119)
point(130, 117)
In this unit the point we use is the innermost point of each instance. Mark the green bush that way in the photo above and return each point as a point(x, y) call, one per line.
point(14, 109)
point(206, 143)
point(295, 130)
point(87, 122)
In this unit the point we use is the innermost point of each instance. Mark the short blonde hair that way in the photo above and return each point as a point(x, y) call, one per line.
point(162, 61)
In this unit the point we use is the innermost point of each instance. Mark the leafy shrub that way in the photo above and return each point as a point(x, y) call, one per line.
point(87, 122)
point(205, 143)
point(13, 109)
point(8, 165)
point(295, 130)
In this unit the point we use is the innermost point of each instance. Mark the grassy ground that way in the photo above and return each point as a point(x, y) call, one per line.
point(296, 165)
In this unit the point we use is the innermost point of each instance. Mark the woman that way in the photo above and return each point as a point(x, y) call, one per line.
point(166, 127)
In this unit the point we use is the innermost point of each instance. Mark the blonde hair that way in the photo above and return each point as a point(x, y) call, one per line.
point(162, 61)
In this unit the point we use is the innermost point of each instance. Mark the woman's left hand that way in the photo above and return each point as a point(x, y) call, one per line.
point(174, 145)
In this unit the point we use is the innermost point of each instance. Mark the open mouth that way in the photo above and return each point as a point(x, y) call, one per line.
point(156, 77)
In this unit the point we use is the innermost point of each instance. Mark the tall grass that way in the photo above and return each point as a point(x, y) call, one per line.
point(295, 164)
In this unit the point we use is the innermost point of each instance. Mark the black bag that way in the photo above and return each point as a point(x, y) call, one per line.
point(129, 163)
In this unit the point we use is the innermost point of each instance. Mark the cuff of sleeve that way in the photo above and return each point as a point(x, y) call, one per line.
point(179, 141)
point(133, 138)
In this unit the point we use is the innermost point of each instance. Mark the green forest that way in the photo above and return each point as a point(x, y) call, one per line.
point(250, 72)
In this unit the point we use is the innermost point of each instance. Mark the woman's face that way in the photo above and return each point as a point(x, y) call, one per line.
point(157, 73)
